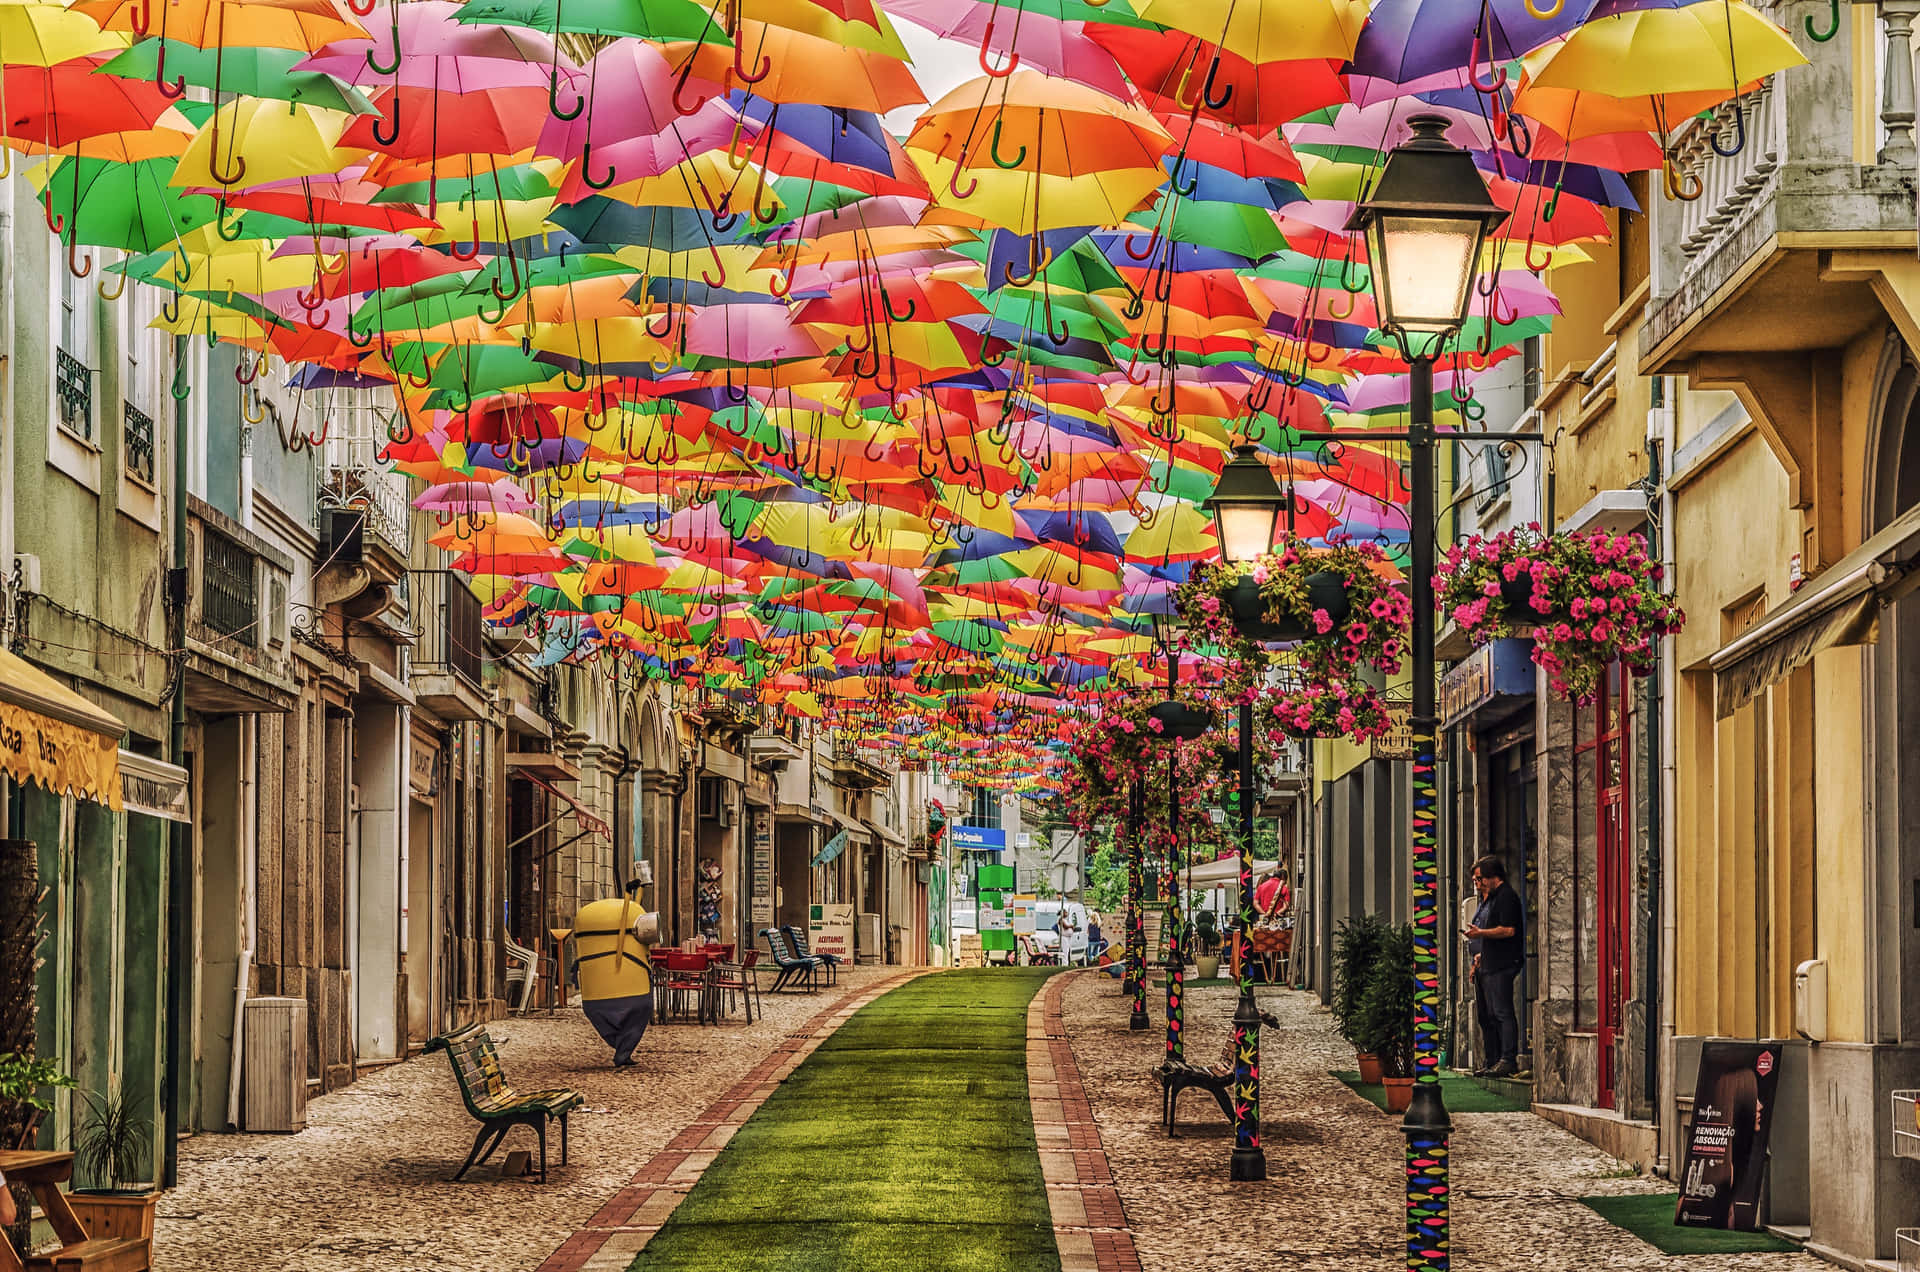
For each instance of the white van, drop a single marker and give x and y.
(1058, 923)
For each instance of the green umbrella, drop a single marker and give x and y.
(646, 19)
(1230, 227)
(124, 205)
(248, 71)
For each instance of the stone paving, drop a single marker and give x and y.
(367, 1186)
(1332, 1200)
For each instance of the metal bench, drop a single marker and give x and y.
(798, 939)
(791, 966)
(1178, 1075)
(496, 1105)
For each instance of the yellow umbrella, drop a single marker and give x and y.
(1700, 47)
(1028, 202)
(44, 33)
(261, 141)
(208, 24)
(1265, 30)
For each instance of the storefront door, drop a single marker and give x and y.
(1613, 870)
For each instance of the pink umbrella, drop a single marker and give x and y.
(639, 102)
(427, 32)
(1059, 49)
(749, 333)
(474, 496)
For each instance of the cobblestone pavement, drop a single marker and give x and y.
(1332, 1200)
(367, 1187)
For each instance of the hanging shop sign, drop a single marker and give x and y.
(980, 838)
(762, 872)
(1726, 1160)
(154, 788)
(1397, 742)
(1498, 670)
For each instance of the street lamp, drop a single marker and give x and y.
(1246, 505)
(1179, 723)
(1426, 220)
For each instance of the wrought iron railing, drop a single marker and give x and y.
(351, 474)
(229, 588)
(136, 439)
(73, 385)
(448, 618)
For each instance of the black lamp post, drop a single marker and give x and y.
(1426, 220)
(1246, 505)
(1179, 723)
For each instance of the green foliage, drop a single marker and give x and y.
(1354, 947)
(1207, 932)
(1105, 888)
(112, 1144)
(1385, 1022)
(23, 1079)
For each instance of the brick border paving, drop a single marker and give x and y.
(621, 1228)
(1089, 1221)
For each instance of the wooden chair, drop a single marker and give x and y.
(43, 1173)
(496, 1105)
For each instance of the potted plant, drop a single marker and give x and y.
(1354, 948)
(1206, 963)
(24, 1084)
(111, 1146)
(1386, 1012)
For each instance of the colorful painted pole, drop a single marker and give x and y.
(1248, 1162)
(1176, 912)
(1426, 1125)
(1136, 920)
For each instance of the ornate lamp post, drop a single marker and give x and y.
(1246, 505)
(1426, 220)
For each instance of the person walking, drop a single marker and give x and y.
(1096, 943)
(1497, 940)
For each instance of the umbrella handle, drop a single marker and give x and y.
(579, 101)
(513, 263)
(220, 224)
(1684, 187)
(1506, 319)
(986, 67)
(714, 251)
(1486, 88)
(1833, 24)
(1136, 306)
(358, 10)
(56, 223)
(1739, 136)
(493, 318)
(953, 182)
(178, 87)
(886, 303)
(373, 54)
(242, 374)
(76, 270)
(686, 75)
(1341, 315)
(1546, 15)
(1188, 190)
(781, 284)
(117, 293)
(353, 338)
(1153, 242)
(662, 332)
(457, 251)
(320, 322)
(180, 389)
(248, 401)
(391, 136)
(760, 72)
(769, 215)
(1540, 267)
(1206, 86)
(994, 150)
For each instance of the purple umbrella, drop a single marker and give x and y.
(1405, 40)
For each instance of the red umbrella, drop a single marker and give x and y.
(419, 123)
(61, 106)
(1171, 72)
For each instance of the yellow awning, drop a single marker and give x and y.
(52, 736)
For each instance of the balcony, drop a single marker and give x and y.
(136, 443)
(447, 667)
(855, 773)
(238, 643)
(1739, 267)
(351, 476)
(73, 388)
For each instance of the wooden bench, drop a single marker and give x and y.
(1215, 1079)
(494, 1104)
(43, 1173)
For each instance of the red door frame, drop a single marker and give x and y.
(1613, 871)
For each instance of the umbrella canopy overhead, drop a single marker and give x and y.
(713, 347)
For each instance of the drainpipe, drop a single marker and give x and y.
(1656, 807)
(1668, 681)
(179, 850)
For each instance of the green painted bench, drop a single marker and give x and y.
(496, 1105)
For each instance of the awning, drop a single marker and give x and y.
(1227, 870)
(53, 737)
(580, 813)
(856, 830)
(884, 835)
(1841, 606)
(154, 788)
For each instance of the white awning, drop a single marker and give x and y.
(1227, 870)
(1840, 606)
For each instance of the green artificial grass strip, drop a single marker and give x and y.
(904, 1142)
(1462, 1095)
(1649, 1216)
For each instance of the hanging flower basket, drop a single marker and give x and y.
(1338, 603)
(1336, 708)
(1179, 721)
(1590, 598)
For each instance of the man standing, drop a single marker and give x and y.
(614, 938)
(1497, 940)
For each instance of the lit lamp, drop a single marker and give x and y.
(1426, 221)
(1246, 505)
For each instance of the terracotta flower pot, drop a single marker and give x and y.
(1399, 1094)
(1369, 1067)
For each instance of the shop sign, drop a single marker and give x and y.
(830, 931)
(1500, 668)
(979, 838)
(762, 871)
(422, 769)
(969, 953)
(1397, 742)
(1726, 1161)
(154, 789)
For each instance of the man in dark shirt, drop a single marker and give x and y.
(1497, 940)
